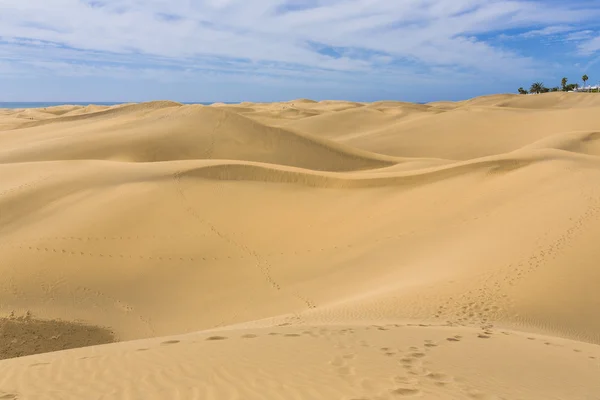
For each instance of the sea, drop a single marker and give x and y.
(73, 103)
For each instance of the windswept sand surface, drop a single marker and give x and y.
(302, 250)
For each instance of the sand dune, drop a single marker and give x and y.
(309, 250)
(168, 132)
(436, 135)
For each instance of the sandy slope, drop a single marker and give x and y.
(328, 250)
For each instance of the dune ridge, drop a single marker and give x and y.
(303, 249)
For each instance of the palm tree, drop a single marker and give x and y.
(584, 79)
(563, 83)
(522, 91)
(537, 87)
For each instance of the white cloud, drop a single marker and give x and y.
(589, 46)
(370, 34)
(547, 31)
(579, 36)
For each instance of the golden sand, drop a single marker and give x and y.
(302, 250)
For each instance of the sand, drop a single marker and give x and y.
(302, 250)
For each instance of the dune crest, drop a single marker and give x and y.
(302, 249)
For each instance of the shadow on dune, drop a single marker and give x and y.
(24, 336)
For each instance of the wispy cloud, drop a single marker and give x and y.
(547, 31)
(285, 38)
(590, 46)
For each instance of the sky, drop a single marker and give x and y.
(274, 50)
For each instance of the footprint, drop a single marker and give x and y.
(483, 336)
(405, 392)
(292, 334)
(39, 364)
(406, 380)
(337, 362)
(168, 342)
(408, 361)
(249, 336)
(346, 370)
(454, 339)
(8, 396)
(430, 345)
(418, 370)
(418, 355)
(216, 338)
(476, 394)
(439, 377)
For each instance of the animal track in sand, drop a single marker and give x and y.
(249, 336)
(69, 252)
(22, 187)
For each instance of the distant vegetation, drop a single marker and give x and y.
(538, 87)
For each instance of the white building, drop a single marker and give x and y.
(586, 88)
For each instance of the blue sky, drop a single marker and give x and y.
(270, 50)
